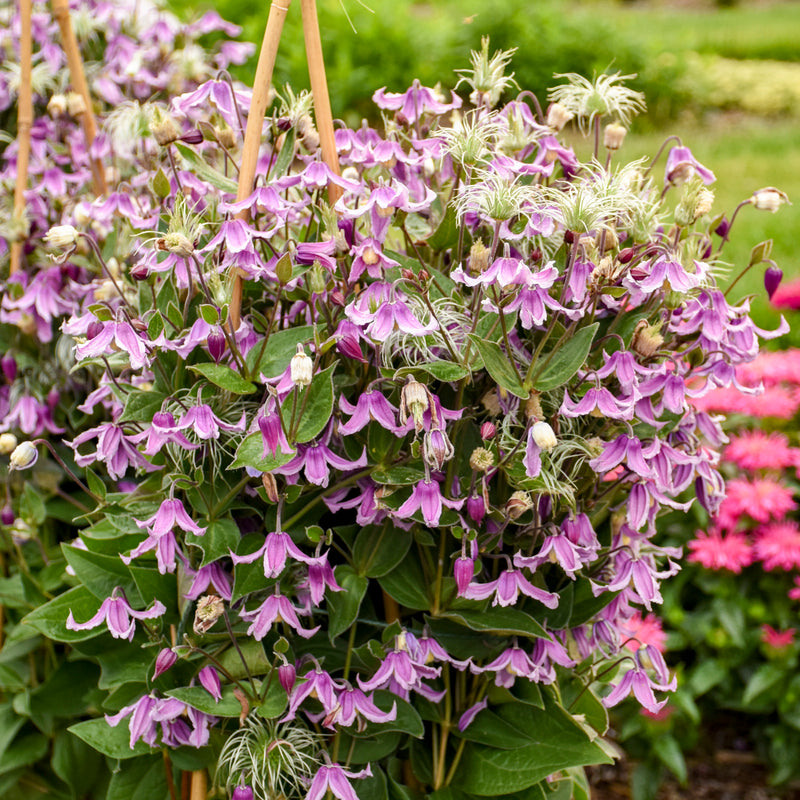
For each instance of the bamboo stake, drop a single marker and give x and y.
(24, 125)
(255, 123)
(198, 790)
(319, 89)
(79, 85)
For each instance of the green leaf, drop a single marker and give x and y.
(406, 583)
(224, 377)
(113, 742)
(100, 574)
(50, 619)
(447, 371)
(669, 754)
(221, 537)
(763, 679)
(161, 185)
(489, 729)
(317, 404)
(250, 454)
(10, 723)
(373, 787)
(398, 476)
(205, 171)
(275, 701)
(197, 697)
(77, 764)
(550, 740)
(24, 751)
(761, 252)
(707, 676)
(499, 621)
(343, 606)
(446, 235)
(498, 366)
(139, 779)
(286, 154)
(377, 550)
(570, 357)
(277, 354)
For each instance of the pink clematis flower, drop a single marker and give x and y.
(333, 778)
(427, 497)
(414, 102)
(116, 612)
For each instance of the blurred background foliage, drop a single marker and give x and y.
(724, 76)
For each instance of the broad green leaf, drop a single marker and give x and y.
(251, 451)
(100, 574)
(140, 779)
(68, 692)
(763, 679)
(257, 662)
(113, 742)
(374, 787)
(707, 676)
(569, 358)
(670, 755)
(498, 366)
(408, 719)
(446, 235)
(275, 701)
(489, 729)
(406, 583)
(152, 585)
(447, 371)
(221, 537)
(343, 606)
(286, 154)
(77, 764)
(550, 740)
(24, 751)
(499, 621)
(365, 751)
(205, 171)
(10, 723)
(315, 405)
(273, 359)
(197, 697)
(379, 549)
(224, 377)
(50, 619)
(398, 476)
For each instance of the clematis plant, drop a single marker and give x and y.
(380, 453)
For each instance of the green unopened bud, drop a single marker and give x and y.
(696, 201)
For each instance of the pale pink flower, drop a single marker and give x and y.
(778, 545)
(643, 631)
(715, 551)
(778, 640)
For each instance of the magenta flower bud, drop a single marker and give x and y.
(337, 298)
(216, 344)
(194, 136)
(53, 396)
(7, 515)
(209, 680)
(723, 227)
(772, 280)
(463, 570)
(242, 792)
(95, 328)
(164, 660)
(488, 431)
(70, 270)
(140, 272)
(287, 675)
(9, 366)
(476, 508)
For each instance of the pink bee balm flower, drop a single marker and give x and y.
(787, 295)
(643, 631)
(777, 640)
(754, 450)
(116, 612)
(778, 545)
(761, 499)
(715, 551)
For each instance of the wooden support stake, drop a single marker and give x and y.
(255, 124)
(319, 88)
(78, 79)
(24, 125)
(198, 786)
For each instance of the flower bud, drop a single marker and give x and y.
(8, 443)
(140, 272)
(163, 127)
(9, 366)
(518, 504)
(614, 135)
(478, 257)
(177, 243)
(772, 280)
(476, 508)
(463, 570)
(76, 105)
(544, 436)
(769, 199)
(242, 792)
(301, 368)
(57, 105)
(215, 341)
(6, 515)
(270, 486)
(481, 459)
(61, 236)
(209, 680)
(488, 431)
(209, 609)
(557, 116)
(24, 456)
(164, 660)
(287, 675)
(436, 448)
(415, 400)
(647, 339)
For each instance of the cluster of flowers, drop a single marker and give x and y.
(754, 523)
(448, 404)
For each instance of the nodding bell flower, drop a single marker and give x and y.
(242, 792)
(772, 280)
(23, 456)
(415, 400)
(614, 136)
(301, 368)
(518, 504)
(61, 236)
(769, 199)
(544, 436)
(164, 660)
(436, 448)
(209, 609)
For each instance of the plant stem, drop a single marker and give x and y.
(319, 89)
(24, 124)
(252, 135)
(78, 80)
